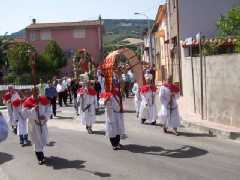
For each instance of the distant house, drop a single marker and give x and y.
(69, 35)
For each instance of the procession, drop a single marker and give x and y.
(120, 90)
(28, 116)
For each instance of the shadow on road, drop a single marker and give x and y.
(51, 143)
(4, 157)
(99, 132)
(188, 134)
(64, 117)
(183, 152)
(58, 163)
(99, 122)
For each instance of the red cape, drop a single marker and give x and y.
(31, 102)
(16, 103)
(7, 96)
(91, 92)
(147, 88)
(172, 87)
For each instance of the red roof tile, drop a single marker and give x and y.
(63, 24)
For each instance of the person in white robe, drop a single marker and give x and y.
(7, 101)
(3, 128)
(114, 124)
(169, 114)
(87, 100)
(148, 109)
(22, 124)
(137, 97)
(37, 110)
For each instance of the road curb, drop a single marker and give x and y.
(219, 133)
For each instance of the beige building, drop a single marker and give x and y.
(159, 33)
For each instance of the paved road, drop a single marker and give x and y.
(148, 154)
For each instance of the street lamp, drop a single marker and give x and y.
(149, 34)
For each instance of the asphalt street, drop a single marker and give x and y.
(148, 153)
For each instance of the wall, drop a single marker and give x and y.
(201, 16)
(221, 79)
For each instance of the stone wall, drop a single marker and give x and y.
(221, 87)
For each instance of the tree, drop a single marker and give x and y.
(4, 43)
(229, 25)
(54, 56)
(19, 65)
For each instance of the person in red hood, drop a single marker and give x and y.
(114, 125)
(169, 93)
(87, 99)
(148, 109)
(22, 129)
(37, 109)
(7, 101)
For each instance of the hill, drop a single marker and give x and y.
(119, 29)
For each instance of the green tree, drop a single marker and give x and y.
(53, 56)
(19, 65)
(4, 44)
(229, 25)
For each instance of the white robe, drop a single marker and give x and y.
(38, 134)
(10, 114)
(3, 129)
(137, 97)
(22, 124)
(169, 116)
(19, 118)
(114, 124)
(148, 108)
(101, 80)
(87, 116)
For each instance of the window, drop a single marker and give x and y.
(79, 33)
(33, 36)
(45, 35)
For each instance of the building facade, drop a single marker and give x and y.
(159, 33)
(69, 35)
(186, 18)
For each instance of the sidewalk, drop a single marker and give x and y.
(194, 121)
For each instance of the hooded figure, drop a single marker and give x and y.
(148, 109)
(37, 110)
(87, 99)
(22, 125)
(169, 93)
(114, 124)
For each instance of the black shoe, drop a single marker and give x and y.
(51, 116)
(143, 121)
(153, 123)
(165, 130)
(15, 130)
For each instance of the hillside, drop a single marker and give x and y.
(119, 29)
(115, 30)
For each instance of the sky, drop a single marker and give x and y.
(17, 14)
